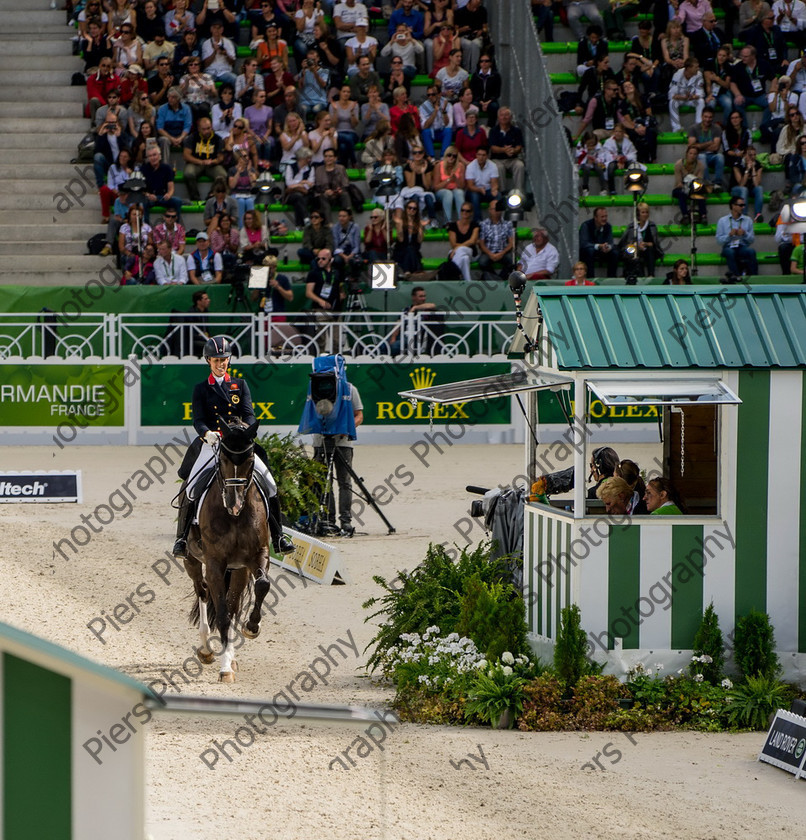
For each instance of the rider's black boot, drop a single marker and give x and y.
(280, 542)
(185, 519)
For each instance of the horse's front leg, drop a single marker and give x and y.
(262, 585)
(218, 595)
(194, 569)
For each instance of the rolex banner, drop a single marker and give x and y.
(279, 392)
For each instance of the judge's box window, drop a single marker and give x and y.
(685, 456)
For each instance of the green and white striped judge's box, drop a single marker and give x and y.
(732, 440)
(72, 739)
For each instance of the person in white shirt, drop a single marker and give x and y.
(687, 88)
(169, 268)
(345, 16)
(360, 44)
(540, 259)
(790, 17)
(619, 152)
(218, 55)
(481, 177)
(406, 48)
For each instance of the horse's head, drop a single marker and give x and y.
(236, 463)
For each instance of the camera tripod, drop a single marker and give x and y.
(330, 452)
(237, 296)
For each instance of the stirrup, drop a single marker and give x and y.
(180, 548)
(283, 545)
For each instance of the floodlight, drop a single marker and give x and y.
(635, 180)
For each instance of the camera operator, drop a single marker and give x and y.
(340, 449)
(273, 300)
(312, 82)
(324, 287)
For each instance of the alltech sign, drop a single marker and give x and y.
(39, 486)
(279, 392)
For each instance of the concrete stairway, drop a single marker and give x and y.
(48, 207)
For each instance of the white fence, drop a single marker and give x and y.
(376, 334)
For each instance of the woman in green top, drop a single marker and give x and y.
(662, 499)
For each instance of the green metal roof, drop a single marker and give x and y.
(678, 327)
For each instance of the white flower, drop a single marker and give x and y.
(658, 666)
(680, 671)
(507, 671)
(706, 659)
(507, 658)
(434, 630)
(726, 683)
(481, 664)
(695, 658)
(698, 678)
(423, 678)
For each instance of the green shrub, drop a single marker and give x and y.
(493, 692)
(571, 647)
(596, 699)
(754, 646)
(543, 709)
(754, 702)
(708, 643)
(299, 478)
(493, 615)
(429, 595)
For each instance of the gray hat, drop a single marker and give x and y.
(201, 235)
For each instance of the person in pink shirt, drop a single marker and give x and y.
(580, 276)
(690, 13)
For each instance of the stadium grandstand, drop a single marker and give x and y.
(222, 144)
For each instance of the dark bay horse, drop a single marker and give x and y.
(229, 548)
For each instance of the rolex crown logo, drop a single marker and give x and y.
(422, 377)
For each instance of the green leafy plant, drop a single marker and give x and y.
(543, 708)
(753, 702)
(754, 646)
(299, 478)
(595, 699)
(571, 647)
(429, 595)
(494, 691)
(708, 643)
(493, 616)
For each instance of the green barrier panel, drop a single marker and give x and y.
(47, 395)
(279, 392)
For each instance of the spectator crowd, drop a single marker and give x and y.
(263, 102)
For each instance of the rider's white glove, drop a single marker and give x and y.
(211, 438)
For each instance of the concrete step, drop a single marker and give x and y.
(43, 217)
(66, 64)
(49, 32)
(36, 263)
(62, 231)
(44, 124)
(65, 247)
(35, 78)
(33, 17)
(54, 173)
(31, 146)
(59, 110)
(50, 93)
(46, 49)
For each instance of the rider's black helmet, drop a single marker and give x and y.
(218, 347)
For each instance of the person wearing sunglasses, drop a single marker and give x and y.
(486, 86)
(735, 234)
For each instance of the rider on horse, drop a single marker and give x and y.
(217, 401)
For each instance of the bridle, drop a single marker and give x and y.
(236, 483)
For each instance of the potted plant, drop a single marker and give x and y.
(496, 694)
